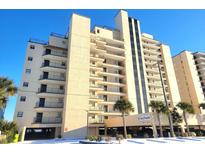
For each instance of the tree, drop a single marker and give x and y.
(7, 89)
(9, 129)
(176, 117)
(158, 107)
(186, 108)
(125, 107)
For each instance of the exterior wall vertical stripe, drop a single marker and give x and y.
(144, 91)
(135, 68)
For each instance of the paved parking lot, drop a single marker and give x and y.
(180, 140)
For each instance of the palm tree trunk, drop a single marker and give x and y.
(160, 126)
(124, 125)
(185, 120)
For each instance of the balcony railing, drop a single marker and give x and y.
(48, 120)
(49, 105)
(56, 53)
(55, 65)
(96, 108)
(51, 90)
(96, 121)
(52, 77)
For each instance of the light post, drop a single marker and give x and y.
(165, 99)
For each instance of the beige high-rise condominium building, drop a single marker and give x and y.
(70, 84)
(189, 70)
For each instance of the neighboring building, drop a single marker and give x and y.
(70, 84)
(189, 68)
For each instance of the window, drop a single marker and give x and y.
(98, 31)
(28, 71)
(61, 87)
(30, 58)
(20, 114)
(25, 84)
(32, 47)
(23, 98)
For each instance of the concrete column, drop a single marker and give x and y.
(23, 133)
(182, 129)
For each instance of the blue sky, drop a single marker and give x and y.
(180, 29)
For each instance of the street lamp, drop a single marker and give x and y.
(165, 99)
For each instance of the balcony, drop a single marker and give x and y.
(96, 110)
(115, 49)
(95, 87)
(55, 55)
(51, 92)
(96, 58)
(47, 120)
(53, 79)
(96, 67)
(95, 98)
(113, 66)
(117, 93)
(111, 83)
(152, 70)
(153, 58)
(111, 74)
(115, 57)
(151, 52)
(149, 45)
(95, 77)
(52, 66)
(49, 105)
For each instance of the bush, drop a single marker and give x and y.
(108, 139)
(3, 141)
(146, 135)
(119, 137)
(185, 135)
(199, 133)
(99, 138)
(129, 136)
(193, 134)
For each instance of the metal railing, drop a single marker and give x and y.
(95, 121)
(96, 108)
(48, 120)
(53, 77)
(51, 90)
(55, 65)
(56, 53)
(49, 105)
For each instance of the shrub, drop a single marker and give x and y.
(119, 137)
(99, 138)
(185, 135)
(108, 139)
(193, 134)
(199, 133)
(146, 135)
(3, 141)
(129, 136)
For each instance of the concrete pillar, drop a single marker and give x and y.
(182, 129)
(23, 133)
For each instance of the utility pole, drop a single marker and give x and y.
(165, 99)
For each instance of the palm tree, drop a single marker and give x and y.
(176, 118)
(158, 107)
(7, 89)
(125, 107)
(186, 108)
